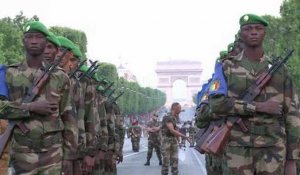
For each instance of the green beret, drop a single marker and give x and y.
(230, 47)
(223, 54)
(36, 26)
(52, 38)
(100, 88)
(83, 68)
(65, 42)
(76, 51)
(252, 19)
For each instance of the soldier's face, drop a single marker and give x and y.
(34, 43)
(65, 60)
(73, 62)
(177, 110)
(253, 35)
(50, 52)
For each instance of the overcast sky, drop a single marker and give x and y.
(142, 32)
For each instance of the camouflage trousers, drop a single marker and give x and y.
(153, 144)
(169, 148)
(77, 167)
(213, 165)
(45, 163)
(4, 163)
(258, 161)
(135, 143)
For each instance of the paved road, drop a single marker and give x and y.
(190, 161)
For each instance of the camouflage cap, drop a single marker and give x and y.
(36, 26)
(52, 38)
(252, 19)
(76, 51)
(65, 42)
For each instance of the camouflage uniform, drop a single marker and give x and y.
(271, 139)
(50, 138)
(135, 132)
(78, 104)
(102, 132)
(153, 141)
(90, 117)
(120, 131)
(113, 145)
(169, 146)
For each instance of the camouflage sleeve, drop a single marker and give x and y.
(221, 105)
(14, 110)
(90, 118)
(292, 118)
(103, 132)
(79, 97)
(202, 116)
(111, 131)
(70, 133)
(120, 130)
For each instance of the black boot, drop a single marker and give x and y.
(160, 162)
(147, 163)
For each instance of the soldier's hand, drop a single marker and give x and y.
(43, 107)
(88, 164)
(269, 107)
(119, 158)
(67, 167)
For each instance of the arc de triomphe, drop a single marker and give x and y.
(170, 71)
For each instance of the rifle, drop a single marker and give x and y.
(108, 87)
(216, 142)
(115, 99)
(30, 96)
(91, 73)
(73, 73)
(84, 74)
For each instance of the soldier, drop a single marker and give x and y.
(169, 145)
(154, 139)
(271, 145)
(68, 63)
(183, 130)
(48, 118)
(135, 132)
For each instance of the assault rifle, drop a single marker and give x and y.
(85, 74)
(72, 74)
(30, 96)
(218, 139)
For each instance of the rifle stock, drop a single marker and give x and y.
(215, 144)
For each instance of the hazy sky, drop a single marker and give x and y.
(142, 32)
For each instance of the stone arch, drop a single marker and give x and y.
(188, 71)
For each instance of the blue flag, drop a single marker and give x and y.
(218, 83)
(3, 85)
